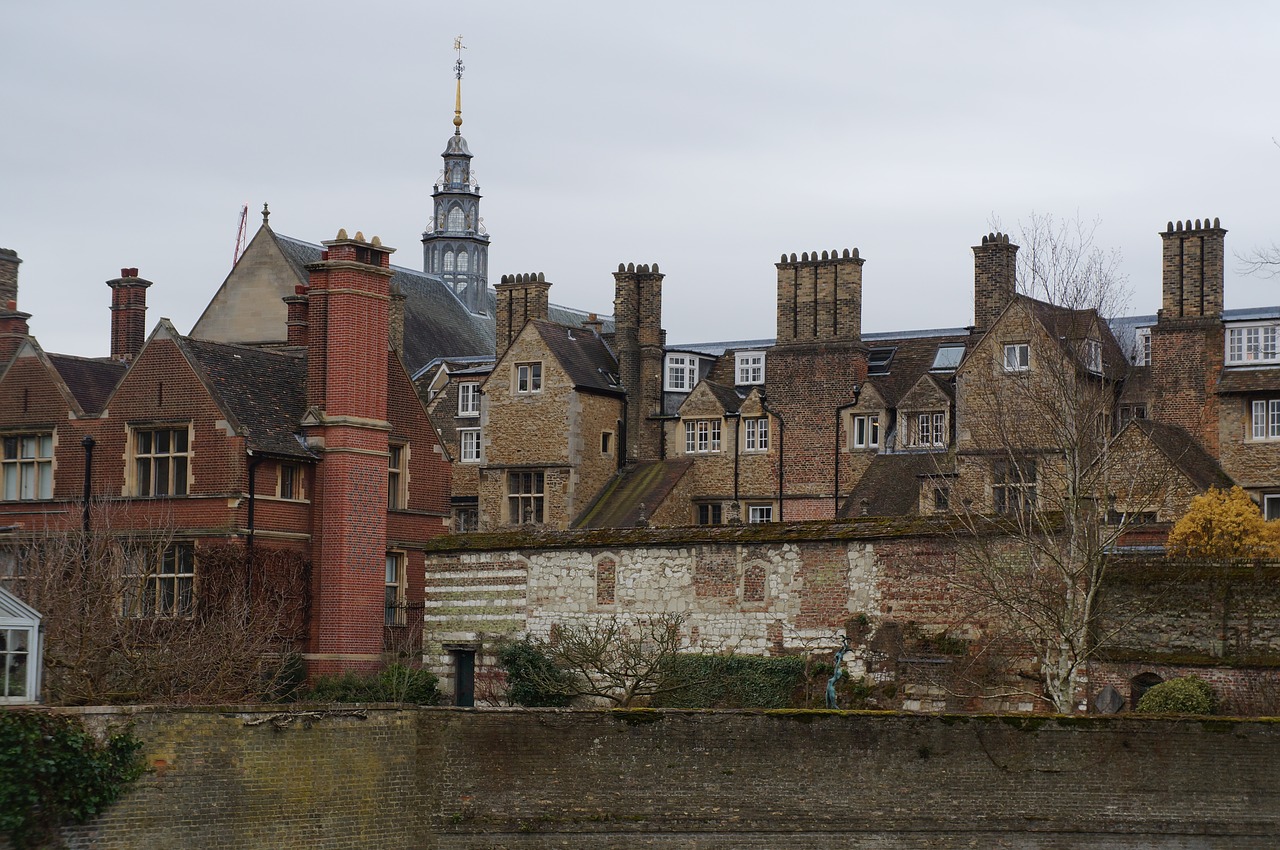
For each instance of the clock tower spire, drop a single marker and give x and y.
(455, 245)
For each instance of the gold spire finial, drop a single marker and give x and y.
(458, 68)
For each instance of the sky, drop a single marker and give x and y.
(707, 137)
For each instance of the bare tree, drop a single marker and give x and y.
(622, 662)
(1037, 518)
(141, 618)
(1264, 261)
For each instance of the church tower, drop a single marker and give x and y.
(455, 245)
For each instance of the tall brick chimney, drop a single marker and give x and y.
(1192, 269)
(1187, 339)
(347, 355)
(296, 321)
(128, 314)
(995, 276)
(520, 297)
(639, 340)
(13, 324)
(820, 298)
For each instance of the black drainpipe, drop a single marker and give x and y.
(835, 489)
(88, 443)
(254, 461)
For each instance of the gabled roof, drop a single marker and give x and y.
(1187, 455)
(90, 380)
(891, 484)
(265, 389)
(583, 356)
(647, 483)
(728, 397)
(1066, 325)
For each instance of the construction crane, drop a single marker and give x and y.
(240, 233)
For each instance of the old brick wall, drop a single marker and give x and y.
(447, 779)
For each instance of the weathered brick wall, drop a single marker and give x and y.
(446, 779)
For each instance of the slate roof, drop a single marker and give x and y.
(89, 380)
(647, 483)
(1184, 453)
(1236, 380)
(1064, 323)
(727, 396)
(583, 355)
(891, 484)
(436, 323)
(911, 360)
(264, 389)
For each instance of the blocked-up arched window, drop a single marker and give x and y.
(456, 219)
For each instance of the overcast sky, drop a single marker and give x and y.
(707, 137)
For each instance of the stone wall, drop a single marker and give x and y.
(448, 779)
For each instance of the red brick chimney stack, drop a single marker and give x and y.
(128, 314)
(297, 316)
(13, 324)
(348, 320)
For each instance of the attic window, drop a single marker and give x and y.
(948, 358)
(878, 360)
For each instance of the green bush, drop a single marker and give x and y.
(1189, 695)
(533, 679)
(731, 681)
(396, 683)
(54, 772)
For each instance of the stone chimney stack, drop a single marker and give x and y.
(296, 323)
(995, 279)
(820, 298)
(13, 324)
(128, 314)
(521, 297)
(396, 327)
(639, 341)
(1192, 269)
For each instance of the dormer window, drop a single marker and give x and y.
(1142, 347)
(682, 372)
(1251, 344)
(750, 367)
(1093, 356)
(930, 429)
(878, 360)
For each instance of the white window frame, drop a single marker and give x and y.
(759, 513)
(701, 436)
(1093, 356)
(469, 398)
(1265, 419)
(1271, 506)
(931, 429)
(682, 373)
(26, 467)
(528, 378)
(161, 471)
(1251, 344)
(757, 434)
(469, 445)
(866, 431)
(749, 367)
(1142, 347)
(1017, 357)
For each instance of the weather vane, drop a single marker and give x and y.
(458, 67)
